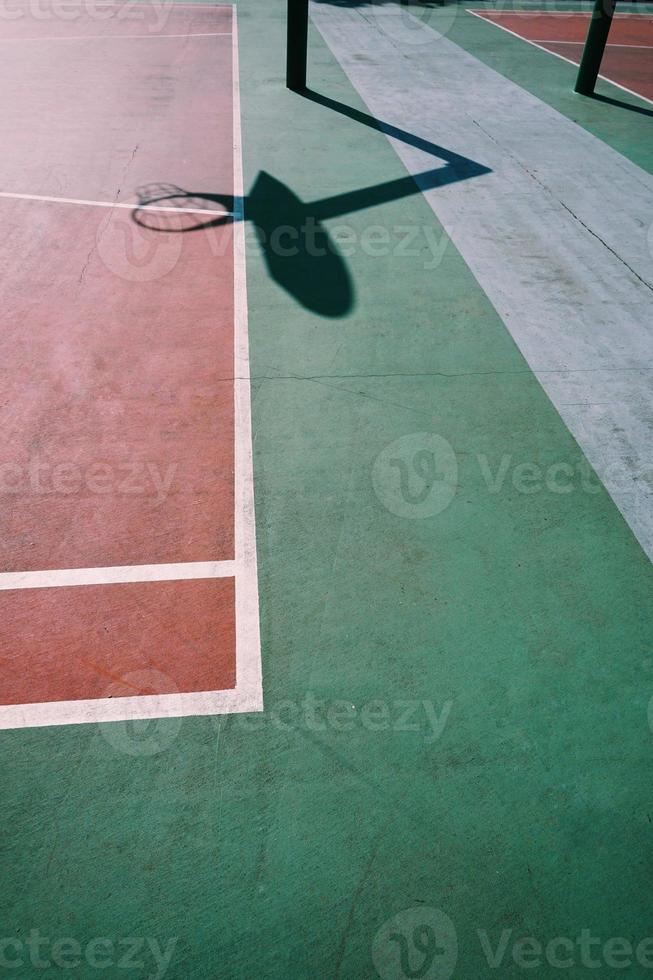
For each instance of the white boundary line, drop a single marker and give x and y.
(610, 44)
(126, 709)
(155, 5)
(113, 575)
(248, 693)
(535, 12)
(108, 37)
(44, 199)
(249, 682)
(481, 16)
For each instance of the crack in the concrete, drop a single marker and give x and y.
(562, 204)
(86, 264)
(323, 379)
(426, 374)
(108, 218)
(430, 374)
(605, 245)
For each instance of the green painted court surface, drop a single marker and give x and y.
(455, 616)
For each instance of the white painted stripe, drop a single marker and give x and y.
(564, 14)
(109, 37)
(556, 54)
(248, 637)
(46, 199)
(113, 575)
(610, 44)
(555, 234)
(156, 5)
(127, 709)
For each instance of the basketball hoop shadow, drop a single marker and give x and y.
(300, 255)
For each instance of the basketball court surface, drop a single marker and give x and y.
(129, 440)
(326, 492)
(627, 60)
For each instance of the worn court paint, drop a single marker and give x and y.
(95, 141)
(560, 250)
(52, 19)
(72, 645)
(277, 846)
(119, 413)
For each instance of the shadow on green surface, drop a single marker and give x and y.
(620, 104)
(300, 254)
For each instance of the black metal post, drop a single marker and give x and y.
(597, 37)
(297, 45)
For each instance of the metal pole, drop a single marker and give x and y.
(297, 45)
(597, 37)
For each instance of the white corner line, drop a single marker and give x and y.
(83, 202)
(117, 574)
(124, 709)
(108, 37)
(488, 20)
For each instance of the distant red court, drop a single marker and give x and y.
(628, 58)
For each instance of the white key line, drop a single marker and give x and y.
(111, 37)
(113, 575)
(110, 204)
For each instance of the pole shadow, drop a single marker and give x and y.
(620, 104)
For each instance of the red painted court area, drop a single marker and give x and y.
(628, 58)
(128, 575)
